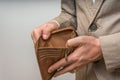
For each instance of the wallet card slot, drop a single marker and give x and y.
(47, 48)
(45, 54)
(45, 57)
(53, 52)
(42, 51)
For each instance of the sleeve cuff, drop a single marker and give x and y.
(111, 51)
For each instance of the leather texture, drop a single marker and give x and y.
(52, 50)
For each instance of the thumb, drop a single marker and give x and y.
(47, 31)
(75, 42)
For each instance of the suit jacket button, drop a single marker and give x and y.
(93, 27)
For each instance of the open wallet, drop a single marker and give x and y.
(53, 49)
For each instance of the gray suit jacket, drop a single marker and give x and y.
(102, 20)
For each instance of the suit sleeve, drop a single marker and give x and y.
(67, 16)
(110, 45)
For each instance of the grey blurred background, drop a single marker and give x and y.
(17, 19)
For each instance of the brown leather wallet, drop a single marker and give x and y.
(53, 49)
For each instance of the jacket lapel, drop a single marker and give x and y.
(93, 8)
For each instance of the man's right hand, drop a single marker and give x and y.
(43, 31)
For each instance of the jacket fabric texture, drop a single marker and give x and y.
(101, 20)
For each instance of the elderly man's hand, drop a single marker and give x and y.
(87, 49)
(43, 31)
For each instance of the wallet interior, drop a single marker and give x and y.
(53, 49)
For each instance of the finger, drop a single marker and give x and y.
(35, 35)
(72, 67)
(65, 70)
(75, 42)
(70, 59)
(60, 64)
(47, 31)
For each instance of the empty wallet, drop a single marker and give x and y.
(53, 49)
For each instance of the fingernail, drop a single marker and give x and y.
(49, 70)
(67, 45)
(45, 36)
